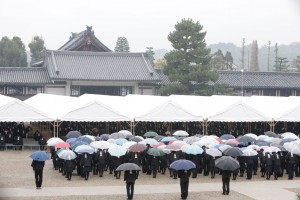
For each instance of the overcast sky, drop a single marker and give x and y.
(148, 23)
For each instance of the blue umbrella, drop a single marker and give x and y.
(71, 140)
(168, 139)
(73, 134)
(84, 139)
(194, 150)
(84, 149)
(78, 143)
(39, 156)
(182, 164)
(104, 136)
(262, 143)
(286, 140)
(120, 141)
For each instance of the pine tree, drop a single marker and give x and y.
(254, 57)
(188, 64)
(228, 61)
(122, 45)
(150, 53)
(37, 48)
(218, 61)
(12, 52)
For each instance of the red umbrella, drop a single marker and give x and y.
(62, 145)
(137, 147)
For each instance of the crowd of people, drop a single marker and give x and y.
(268, 165)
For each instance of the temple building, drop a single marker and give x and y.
(85, 65)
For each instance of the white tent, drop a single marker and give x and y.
(292, 115)
(5, 99)
(239, 112)
(168, 112)
(54, 106)
(18, 111)
(94, 111)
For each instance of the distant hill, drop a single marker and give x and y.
(290, 51)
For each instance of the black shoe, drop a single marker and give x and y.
(223, 193)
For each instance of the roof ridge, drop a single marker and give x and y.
(95, 53)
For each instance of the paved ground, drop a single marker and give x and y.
(259, 190)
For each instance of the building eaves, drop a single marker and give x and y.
(24, 75)
(259, 79)
(101, 66)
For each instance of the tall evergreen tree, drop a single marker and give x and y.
(150, 53)
(281, 64)
(297, 64)
(122, 45)
(254, 57)
(188, 65)
(37, 48)
(12, 52)
(228, 61)
(218, 61)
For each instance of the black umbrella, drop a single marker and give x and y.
(271, 134)
(135, 139)
(245, 139)
(227, 163)
(233, 152)
(128, 167)
(73, 134)
(182, 164)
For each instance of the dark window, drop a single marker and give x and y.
(15, 90)
(75, 90)
(34, 90)
(1, 89)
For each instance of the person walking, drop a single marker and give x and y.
(184, 176)
(226, 174)
(69, 167)
(130, 177)
(86, 163)
(38, 167)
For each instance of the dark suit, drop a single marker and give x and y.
(130, 177)
(38, 167)
(225, 180)
(184, 182)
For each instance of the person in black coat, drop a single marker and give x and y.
(225, 181)
(18, 140)
(269, 164)
(38, 167)
(184, 176)
(42, 143)
(154, 165)
(2, 143)
(249, 166)
(291, 161)
(86, 163)
(277, 164)
(101, 162)
(69, 167)
(130, 177)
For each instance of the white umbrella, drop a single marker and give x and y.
(53, 141)
(249, 152)
(289, 135)
(125, 132)
(214, 152)
(129, 144)
(100, 144)
(181, 133)
(252, 135)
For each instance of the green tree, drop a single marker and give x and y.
(296, 64)
(150, 53)
(160, 63)
(254, 57)
(122, 45)
(12, 52)
(228, 61)
(37, 48)
(281, 64)
(218, 61)
(188, 65)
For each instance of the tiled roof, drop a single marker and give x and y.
(260, 79)
(24, 75)
(78, 38)
(105, 66)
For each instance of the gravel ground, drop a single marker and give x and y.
(15, 171)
